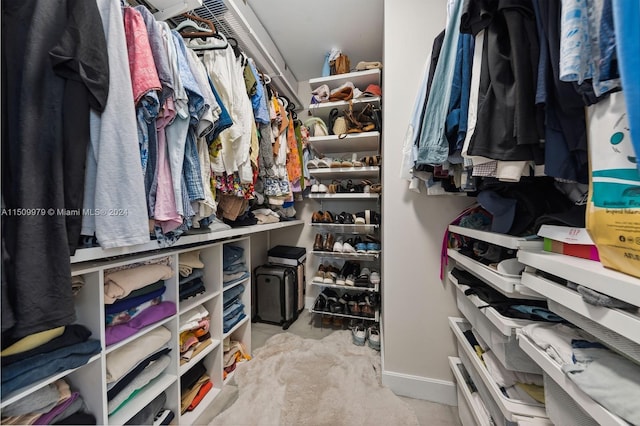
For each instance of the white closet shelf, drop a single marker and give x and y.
(349, 143)
(346, 196)
(340, 228)
(588, 273)
(478, 415)
(28, 390)
(554, 371)
(373, 289)
(323, 109)
(140, 332)
(142, 398)
(503, 240)
(625, 323)
(369, 172)
(469, 306)
(193, 361)
(88, 254)
(242, 322)
(509, 286)
(191, 303)
(230, 376)
(360, 79)
(347, 256)
(507, 407)
(190, 417)
(335, 314)
(243, 281)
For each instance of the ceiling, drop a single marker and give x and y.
(304, 30)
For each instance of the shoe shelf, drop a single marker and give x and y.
(498, 404)
(588, 273)
(469, 409)
(375, 318)
(348, 143)
(323, 109)
(340, 228)
(527, 243)
(373, 289)
(370, 172)
(600, 414)
(509, 286)
(347, 256)
(360, 79)
(624, 323)
(346, 196)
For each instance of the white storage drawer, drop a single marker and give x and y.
(469, 409)
(561, 408)
(497, 331)
(503, 410)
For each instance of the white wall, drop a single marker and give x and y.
(417, 339)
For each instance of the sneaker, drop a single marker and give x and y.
(319, 277)
(373, 337)
(363, 278)
(338, 246)
(358, 335)
(347, 246)
(374, 278)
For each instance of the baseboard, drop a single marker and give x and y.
(434, 390)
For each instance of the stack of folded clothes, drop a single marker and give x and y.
(40, 355)
(133, 300)
(153, 413)
(234, 267)
(50, 405)
(233, 308)
(234, 353)
(194, 333)
(134, 365)
(610, 379)
(191, 273)
(194, 385)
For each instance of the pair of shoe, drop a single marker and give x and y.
(364, 304)
(322, 217)
(326, 274)
(319, 188)
(367, 217)
(367, 278)
(348, 273)
(360, 334)
(368, 245)
(321, 243)
(347, 246)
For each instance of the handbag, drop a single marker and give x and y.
(340, 65)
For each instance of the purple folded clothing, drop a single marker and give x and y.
(46, 418)
(149, 316)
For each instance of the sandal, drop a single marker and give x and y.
(377, 188)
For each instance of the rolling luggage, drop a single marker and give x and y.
(276, 295)
(294, 257)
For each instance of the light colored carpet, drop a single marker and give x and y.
(296, 381)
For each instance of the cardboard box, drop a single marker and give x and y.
(570, 241)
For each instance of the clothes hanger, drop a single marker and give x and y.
(191, 23)
(234, 45)
(210, 43)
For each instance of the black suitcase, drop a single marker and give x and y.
(276, 295)
(294, 257)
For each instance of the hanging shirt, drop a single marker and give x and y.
(212, 109)
(159, 51)
(258, 100)
(54, 64)
(224, 121)
(433, 147)
(294, 168)
(113, 155)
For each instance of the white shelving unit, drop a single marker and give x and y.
(503, 240)
(547, 273)
(360, 79)
(345, 146)
(90, 379)
(368, 172)
(471, 414)
(347, 143)
(509, 286)
(554, 371)
(500, 407)
(346, 196)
